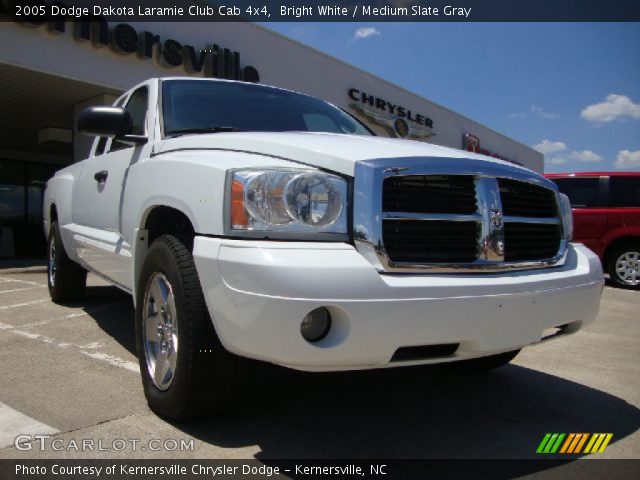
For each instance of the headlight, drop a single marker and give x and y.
(287, 203)
(567, 217)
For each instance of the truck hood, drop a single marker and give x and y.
(329, 151)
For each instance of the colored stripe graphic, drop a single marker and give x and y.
(578, 447)
(556, 445)
(576, 439)
(598, 442)
(567, 443)
(593, 439)
(543, 443)
(574, 442)
(606, 441)
(550, 443)
(596, 445)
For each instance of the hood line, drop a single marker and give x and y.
(262, 154)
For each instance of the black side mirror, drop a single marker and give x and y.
(104, 121)
(108, 122)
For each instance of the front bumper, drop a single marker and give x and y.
(258, 292)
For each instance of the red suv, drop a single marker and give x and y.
(606, 218)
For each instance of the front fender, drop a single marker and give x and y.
(191, 181)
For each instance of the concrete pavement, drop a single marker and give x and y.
(73, 371)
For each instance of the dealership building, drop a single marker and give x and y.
(52, 71)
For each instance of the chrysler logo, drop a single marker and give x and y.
(401, 127)
(496, 218)
(396, 120)
(395, 126)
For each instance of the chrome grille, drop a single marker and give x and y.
(530, 241)
(434, 241)
(526, 200)
(429, 194)
(478, 216)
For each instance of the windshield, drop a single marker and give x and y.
(191, 106)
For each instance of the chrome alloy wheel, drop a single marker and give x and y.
(628, 268)
(52, 261)
(160, 331)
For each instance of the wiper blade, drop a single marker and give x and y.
(189, 131)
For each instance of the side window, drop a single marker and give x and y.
(583, 192)
(102, 142)
(137, 107)
(625, 192)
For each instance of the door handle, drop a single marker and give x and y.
(101, 176)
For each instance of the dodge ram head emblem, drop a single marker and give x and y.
(496, 218)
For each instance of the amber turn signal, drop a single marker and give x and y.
(239, 217)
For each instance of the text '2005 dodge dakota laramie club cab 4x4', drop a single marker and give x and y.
(252, 221)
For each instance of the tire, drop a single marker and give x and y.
(483, 364)
(624, 266)
(65, 278)
(199, 375)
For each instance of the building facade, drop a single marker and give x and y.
(51, 71)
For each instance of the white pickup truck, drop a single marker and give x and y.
(252, 221)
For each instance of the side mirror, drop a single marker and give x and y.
(104, 121)
(108, 122)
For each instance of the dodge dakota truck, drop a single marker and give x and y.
(253, 222)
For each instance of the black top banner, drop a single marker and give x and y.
(322, 10)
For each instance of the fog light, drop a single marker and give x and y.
(316, 325)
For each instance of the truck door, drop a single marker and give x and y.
(624, 204)
(97, 200)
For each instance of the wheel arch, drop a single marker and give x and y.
(162, 219)
(157, 220)
(613, 245)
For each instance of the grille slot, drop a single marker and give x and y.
(430, 241)
(530, 241)
(429, 194)
(526, 200)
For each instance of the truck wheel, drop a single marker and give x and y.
(65, 278)
(184, 367)
(624, 266)
(477, 365)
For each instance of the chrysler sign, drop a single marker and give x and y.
(397, 120)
